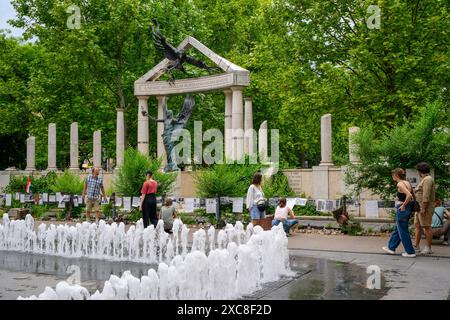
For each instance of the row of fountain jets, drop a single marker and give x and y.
(230, 265)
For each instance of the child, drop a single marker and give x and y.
(168, 213)
(281, 215)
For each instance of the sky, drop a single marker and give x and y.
(7, 12)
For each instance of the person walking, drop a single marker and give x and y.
(148, 200)
(402, 215)
(282, 212)
(425, 195)
(440, 224)
(93, 189)
(255, 196)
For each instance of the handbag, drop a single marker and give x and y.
(262, 204)
(415, 206)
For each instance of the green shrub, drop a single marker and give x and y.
(307, 210)
(68, 183)
(106, 209)
(352, 227)
(277, 186)
(134, 215)
(224, 179)
(39, 212)
(187, 218)
(131, 175)
(38, 184)
(76, 212)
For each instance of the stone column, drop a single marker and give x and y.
(263, 142)
(74, 146)
(31, 154)
(51, 146)
(237, 121)
(120, 137)
(161, 150)
(248, 127)
(97, 148)
(353, 157)
(228, 124)
(325, 140)
(142, 130)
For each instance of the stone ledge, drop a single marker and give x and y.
(360, 219)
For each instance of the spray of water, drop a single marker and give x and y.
(241, 263)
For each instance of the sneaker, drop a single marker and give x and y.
(408, 255)
(427, 250)
(445, 243)
(388, 250)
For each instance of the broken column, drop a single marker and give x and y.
(31, 154)
(325, 140)
(248, 127)
(74, 146)
(97, 149)
(120, 137)
(262, 142)
(51, 160)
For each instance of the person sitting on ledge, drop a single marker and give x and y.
(281, 215)
(167, 214)
(439, 225)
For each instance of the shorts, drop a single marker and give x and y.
(256, 214)
(425, 219)
(90, 202)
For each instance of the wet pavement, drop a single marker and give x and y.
(322, 279)
(24, 274)
(423, 277)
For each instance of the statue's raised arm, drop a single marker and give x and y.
(186, 110)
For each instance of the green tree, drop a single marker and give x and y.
(87, 73)
(17, 61)
(426, 139)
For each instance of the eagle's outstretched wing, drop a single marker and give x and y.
(196, 62)
(200, 64)
(186, 110)
(169, 51)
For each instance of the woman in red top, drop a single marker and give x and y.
(148, 200)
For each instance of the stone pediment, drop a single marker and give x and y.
(149, 85)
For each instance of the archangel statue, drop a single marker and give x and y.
(172, 125)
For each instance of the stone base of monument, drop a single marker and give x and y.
(176, 189)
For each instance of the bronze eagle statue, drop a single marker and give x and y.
(176, 56)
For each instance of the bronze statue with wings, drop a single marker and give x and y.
(176, 56)
(172, 125)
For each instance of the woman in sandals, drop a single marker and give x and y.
(402, 215)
